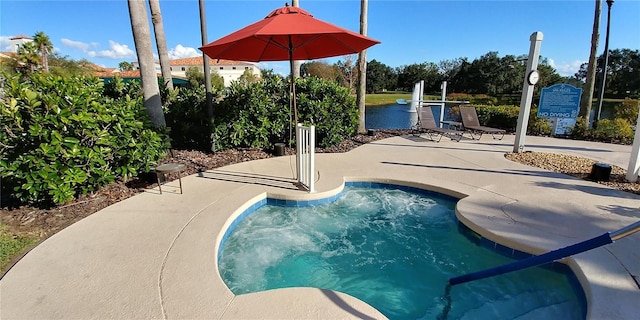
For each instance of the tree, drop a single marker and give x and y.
(161, 43)
(362, 68)
(195, 76)
(380, 77)
(548, 75)
(28, 57)
(623, 78)
(449, 68)
(347, 72)
(587, 93)
(65, 67)
(44, 46)
(411, 74)
(142, 40)
(248, 77)
(125, 66)
(321, 70)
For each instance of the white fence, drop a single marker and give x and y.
(306, 149)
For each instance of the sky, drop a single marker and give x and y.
(410, 31)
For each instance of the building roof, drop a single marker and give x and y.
(197, 61)
(6, 54)
(21, 36)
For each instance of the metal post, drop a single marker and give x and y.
(527, 92)
(606, 60)
(421, 98)
(205, 61)
(312, 159)
(443, 96)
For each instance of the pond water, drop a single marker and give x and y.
(395, 116)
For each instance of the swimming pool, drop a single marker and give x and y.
(392, 247)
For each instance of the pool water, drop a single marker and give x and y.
(393, 248)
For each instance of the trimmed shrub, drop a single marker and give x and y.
(506, 117)
(252, 114)
(187, 120)
(328, 106)
(63, 136)
(257, 114)
(580, 130)
(503, 117)
(627, 110)
(538, 126)
(615, 131)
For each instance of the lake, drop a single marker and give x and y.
(395, 116)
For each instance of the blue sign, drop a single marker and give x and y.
(559, 101)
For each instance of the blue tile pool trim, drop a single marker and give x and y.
(359, 184)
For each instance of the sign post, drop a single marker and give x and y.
(530, 79)
(562, 103)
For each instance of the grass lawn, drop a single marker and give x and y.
(11, 246)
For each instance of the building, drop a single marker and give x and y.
(229, 70)
(17, 41)
(14, 44)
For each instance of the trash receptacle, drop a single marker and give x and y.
(600, 172)
(278, 150)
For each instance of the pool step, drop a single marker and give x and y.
(526, 305)
(553, 311)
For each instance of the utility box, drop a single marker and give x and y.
(278, 149)
(600, 172)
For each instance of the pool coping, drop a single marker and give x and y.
(237, 217)
(152, 256)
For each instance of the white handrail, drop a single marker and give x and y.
(305, 146)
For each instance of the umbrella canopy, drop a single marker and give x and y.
(287, 33)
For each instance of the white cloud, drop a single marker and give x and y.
(75, 44)
(5, 45)
(116, 51)
(567, 69)
(180, 52)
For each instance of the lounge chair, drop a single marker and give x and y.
(471, 124)
(427, 124)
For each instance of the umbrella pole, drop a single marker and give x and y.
(293, 83)
(293, 103)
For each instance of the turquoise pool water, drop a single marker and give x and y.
(394, 248)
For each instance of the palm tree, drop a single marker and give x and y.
(362, 69)
(44, 46)
(142, 39)
(161, 42)
(587, 94)
(28, 56)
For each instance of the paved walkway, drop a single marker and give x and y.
(153, 256)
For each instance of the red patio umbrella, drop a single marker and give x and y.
(287, 33)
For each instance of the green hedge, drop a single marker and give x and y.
(63, 136)
(187, 119)
(506, 117)
(257, 114)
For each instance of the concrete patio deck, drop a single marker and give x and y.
(154, 256)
